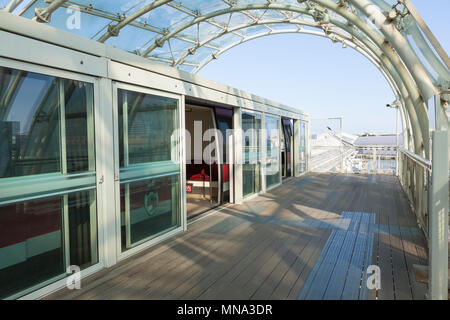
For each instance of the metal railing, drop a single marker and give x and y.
(415, 178)
(370, 159)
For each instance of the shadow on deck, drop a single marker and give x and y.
(311, 238)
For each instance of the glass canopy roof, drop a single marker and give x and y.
(187, 34)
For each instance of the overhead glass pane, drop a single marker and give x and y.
(71, 20)
(251, 31)
(204, 7)
(3, 3)
(272, 15)
(239, 19)
(166, 17)
(114, 6)
(225, 40)
(132, 39)
(200, 55)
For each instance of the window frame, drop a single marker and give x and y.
(154, 170)
(90, 178)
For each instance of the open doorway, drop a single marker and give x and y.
(203, 177)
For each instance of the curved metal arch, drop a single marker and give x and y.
(13, 4)
(341, 38)
(410, 77)
(113, 30)
(421, 143)
(296, 22)
(408, 57)
(359, 48)
(440, 67)
(400, 44)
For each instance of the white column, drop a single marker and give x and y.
(107, 165)
(438, 221)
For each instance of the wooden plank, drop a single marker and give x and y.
(188, 288)
(259, 249)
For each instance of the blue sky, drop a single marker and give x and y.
(319, 77)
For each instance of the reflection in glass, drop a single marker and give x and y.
(33, 247)
(146, 126)
(82, 228)
(148, 208)
(251, 126)
(35, 112)
(302, 147)
(273, 174)
(29, 123)
(79, 126)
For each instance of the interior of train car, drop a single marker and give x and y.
(207, 171)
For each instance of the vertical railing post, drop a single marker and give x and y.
(438, 223)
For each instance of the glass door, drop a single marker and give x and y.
(48, 205)
(149, 160)
(251, 168)
(273, 172)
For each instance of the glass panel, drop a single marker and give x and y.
(251, 125)
(82, 216)
(302, 147)
(224, 119)
(32, 240)
(79, 126)
(147, 136)
(31, 244)
(31, 124)
(273, 174)
(147, 124)
(148, 208)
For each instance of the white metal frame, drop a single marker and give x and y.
(101, 213)
(279, 152)
(146, 243)
(260, 161)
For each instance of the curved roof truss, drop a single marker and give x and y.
(188, 34)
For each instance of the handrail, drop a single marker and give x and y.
(420, 160)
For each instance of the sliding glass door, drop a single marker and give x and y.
(273, 172)
(48, 210)
(148, 139)
(251, 127)
(302, 147)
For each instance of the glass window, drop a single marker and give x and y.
(34, 247)
(150, 123)
(251, 126)
(45, 123)
(46, 127)
(148, 144)
(273, 173)
(302, 147)
(148, 208)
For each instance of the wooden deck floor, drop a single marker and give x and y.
(312, 238)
